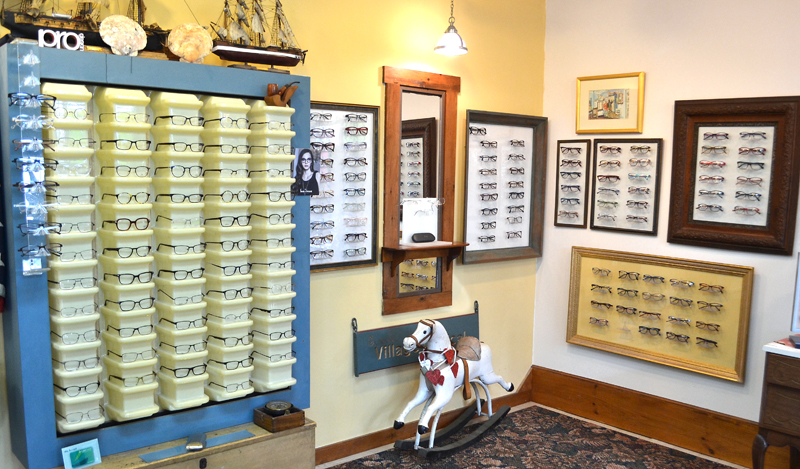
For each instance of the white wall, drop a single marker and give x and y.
(689, 50)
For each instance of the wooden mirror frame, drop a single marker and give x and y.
(396, 80)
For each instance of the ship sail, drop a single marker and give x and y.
(282, 35)
(259, 21)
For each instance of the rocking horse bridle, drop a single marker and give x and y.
(421, 343)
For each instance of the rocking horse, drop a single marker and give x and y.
(443, 370)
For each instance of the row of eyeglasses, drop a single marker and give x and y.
(635, 162)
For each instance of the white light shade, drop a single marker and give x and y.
(451, 43)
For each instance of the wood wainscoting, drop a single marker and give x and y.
(703, 431)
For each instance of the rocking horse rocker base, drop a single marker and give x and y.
(444, 369)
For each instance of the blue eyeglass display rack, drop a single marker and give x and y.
(26, 324)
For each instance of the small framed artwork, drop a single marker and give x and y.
(505, 178)
(625, 184)
(610, 104)
(344, 207)
(735, 174)
(573, 164)
(688, 314)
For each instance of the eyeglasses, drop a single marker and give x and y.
(319, 146)
(182, 349)
(125, 171)
(76, 417)
(513, 220)
(70, 284)
(181, 198)
(352, 237)
(488, 144)
(601, 288)
(183, 325)
(73, 337)
(183, 274)
(626, 310)
(352, 192)
(33, 144)
(477, 130)
(516, 170)
(130, 305)
(639, 177)
(487, 172)
(228, 122)
(678, 337)
(516, 209)
(598, 305)
(571, 150)
(601, 272)
(607, 217)
(709, 207)
(652, 279)
(640, 149)
(178, 170)
(626, 292)
(81, 199)
(570, 174)
(607, 190)
(636, 204)
(131, 331)
(652, 296)
(181, 120)
(598, 322)
(196, 370)
(607, 203)
(227, 221)
(489, 211)
(517, 143)
(753, 134)
(136, 380)
(711, 193)
(229, 196)
(746, 210)
(712, 179)
(127, 197)
(229, 246)
(182, 249)
(273, 125)
(70, 312)
(233, 387)
(276, 218)
(232, 294)
(229, 270)
(355, 252)
(758, 151)
(323, 254)
(75, 142)
(486, 239)
(749, 165)
(352, 177)
(649, 315)
(322, 133)
(181, 147)
(713, 149)
(488, 158)
(485, 197)
(125, 224)
(356, 130)
(322, 208)
(320, 116)
(26, 122)
(31, 100)
(681, 283)
(748, 195)
(127, 279)
(610, 149)
(607, 178)
(715, 136)
(686, 303)
(354, 146)
(641, 162)
(570, 188)
(704, 305)
(570, 201)
(676, 320)
(355, 161)
(130, 357)
(567, 214)
(233, 341)
(227, 148)
(610, 163)
(235, 364)
(355, 117)
(123, 144)
(706, 342)
(279, 289)
(711, 288)
(75, 365)
(277, 335)
(748, 180)
(628, 275)
(573, 163)
(277, 357)
(322, 225)
(232, 317)
(649, 330)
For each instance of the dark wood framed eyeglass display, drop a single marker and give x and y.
(505, 178)
(441, 253)
(735, 174)
(573, 166)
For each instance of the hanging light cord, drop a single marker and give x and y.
(452, 18)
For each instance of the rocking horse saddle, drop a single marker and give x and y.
(469, 348)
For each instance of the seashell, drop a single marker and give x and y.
(191, 42)
(123, 35)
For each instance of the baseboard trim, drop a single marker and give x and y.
(380, 438)
(703, 431)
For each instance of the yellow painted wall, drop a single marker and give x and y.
(348, 42)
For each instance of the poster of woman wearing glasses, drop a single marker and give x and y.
(306, 173)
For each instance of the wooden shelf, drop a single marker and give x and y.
(444, 249)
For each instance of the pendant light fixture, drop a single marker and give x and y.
(451, 43)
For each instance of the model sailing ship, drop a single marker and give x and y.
(26, 18)
(244, 35)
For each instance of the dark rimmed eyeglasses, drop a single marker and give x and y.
(73, 391)
(124, 144)
(610, 149)
(477, 130)
(678, 337)
(598, 321)
(598, 305)
(181, 147)
(228, 122)
(649, 330)
(181, 120)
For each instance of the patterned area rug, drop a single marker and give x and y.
(540, 438)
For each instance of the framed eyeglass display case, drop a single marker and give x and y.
(505, 177)
(573, 159)
(735, 174)
(625, 185)
(344, 219)
(683, 313)
(151, 203)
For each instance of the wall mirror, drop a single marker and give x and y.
(419, 188)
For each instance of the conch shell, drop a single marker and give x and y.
(123, 35)
(191, 42)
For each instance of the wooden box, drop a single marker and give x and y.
(295, 418)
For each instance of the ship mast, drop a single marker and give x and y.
(136, 10)
(282, 35)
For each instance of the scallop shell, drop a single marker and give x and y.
(123, 35)
(191, 42)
